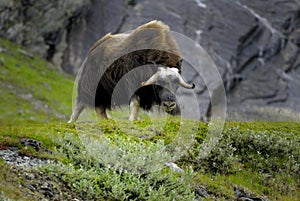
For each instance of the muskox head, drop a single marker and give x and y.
(168, 80)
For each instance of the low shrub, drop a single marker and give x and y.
(94, 175)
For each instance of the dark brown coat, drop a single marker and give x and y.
(113, 56)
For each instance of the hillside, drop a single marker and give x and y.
(30, 87)
(44, 158)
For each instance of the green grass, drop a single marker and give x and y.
(123, 160)
(268, 126)
(80, 162)
(30, 87)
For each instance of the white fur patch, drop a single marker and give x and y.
(166, 71)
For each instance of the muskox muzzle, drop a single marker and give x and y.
(169, 106)
(168, 101)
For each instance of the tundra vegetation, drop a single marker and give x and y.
(258, 159)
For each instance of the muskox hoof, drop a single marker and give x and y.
(133, 118)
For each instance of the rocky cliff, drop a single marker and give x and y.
(255, 44)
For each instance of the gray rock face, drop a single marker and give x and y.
(255, 44)
(42, 26)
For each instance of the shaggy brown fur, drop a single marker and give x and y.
(113, 56)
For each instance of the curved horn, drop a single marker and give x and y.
(184, 83)
(151, 80)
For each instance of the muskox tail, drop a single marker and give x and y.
(87, 83)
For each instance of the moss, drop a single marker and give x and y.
(28, 151)
(12, 133)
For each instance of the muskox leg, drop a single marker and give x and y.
(134, 107)
(101, 112)
(76, 111)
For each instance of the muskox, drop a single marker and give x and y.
(150, 48)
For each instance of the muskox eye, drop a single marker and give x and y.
(162, 82)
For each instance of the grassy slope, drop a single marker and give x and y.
(30, 87)
(262, 157)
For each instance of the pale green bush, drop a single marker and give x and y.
(107, 179)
